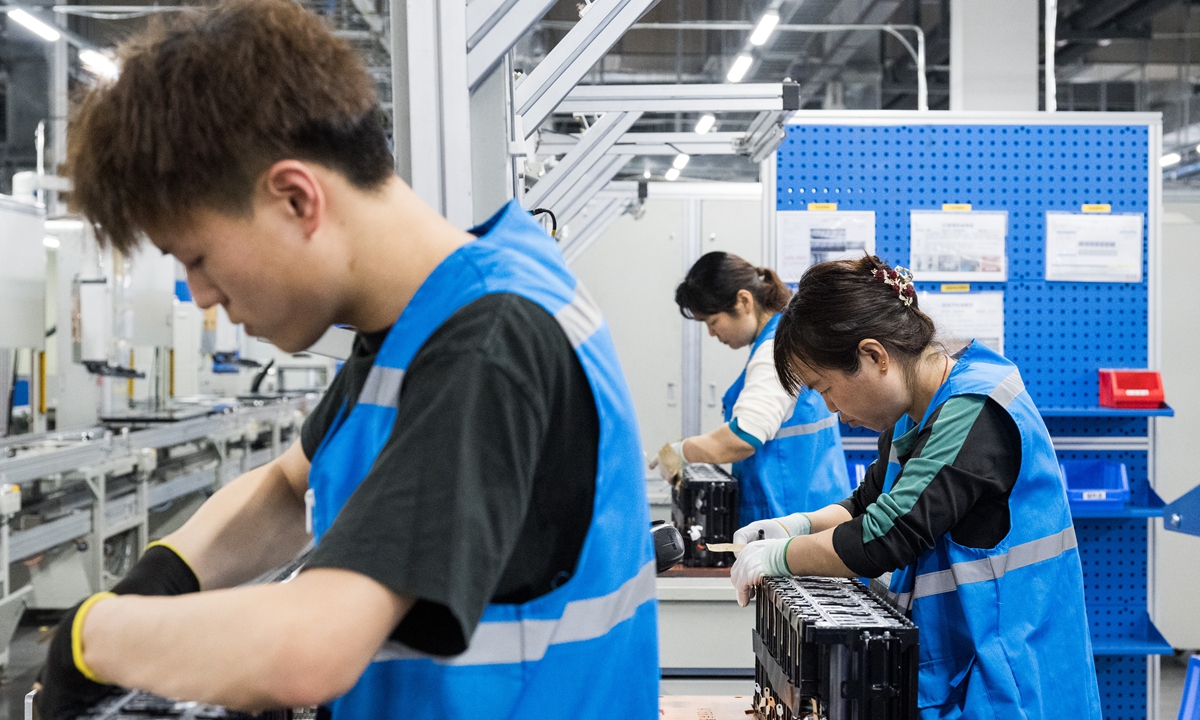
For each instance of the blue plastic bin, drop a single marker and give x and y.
(1096, 484)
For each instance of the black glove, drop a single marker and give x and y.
(65, 691)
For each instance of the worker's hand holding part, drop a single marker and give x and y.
(764, 558)
(67, 686)
(774, 528)
(670, 462)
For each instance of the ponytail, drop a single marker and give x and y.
(713, 283)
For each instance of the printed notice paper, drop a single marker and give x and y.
(1094, 247)
(804, 237)
(962, 317)
(958, 246)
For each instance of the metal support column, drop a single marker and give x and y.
(691, 330)
(432, 104)
(491, 137)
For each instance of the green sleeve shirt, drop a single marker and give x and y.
(957, 474)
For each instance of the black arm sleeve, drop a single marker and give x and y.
(443, 508)
(872, 484)
(956, 479)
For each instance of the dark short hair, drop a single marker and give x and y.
(207, 101)
(838, 305)
(712, 286)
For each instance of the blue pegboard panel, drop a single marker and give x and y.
(1026, 170)
(1058, 333)
(1122, 682)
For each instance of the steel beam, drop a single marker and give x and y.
(577, 165)
(731, 97)
(592, 37)
(602, 212)
(576, 199)
(649, 143)
(493, 27)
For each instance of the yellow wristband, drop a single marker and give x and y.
(172, 548)
(77, 635)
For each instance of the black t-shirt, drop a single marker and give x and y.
(483, 492)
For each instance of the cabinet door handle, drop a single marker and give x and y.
(712, 395)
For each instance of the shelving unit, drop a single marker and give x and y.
(1058, 333)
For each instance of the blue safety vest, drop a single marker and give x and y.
(1004, 631)
(802, 468)
(587, 649)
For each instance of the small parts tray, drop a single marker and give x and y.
(1096, 484)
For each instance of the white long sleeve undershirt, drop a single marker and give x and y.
(764, 405)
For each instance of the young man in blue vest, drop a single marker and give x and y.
(473, 476)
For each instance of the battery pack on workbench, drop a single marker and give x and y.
(1131, 389)
(830, 649)
(704, 506)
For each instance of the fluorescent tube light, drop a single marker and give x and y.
(765, 27)
(1171, 159)
(50, 242)
(681, 161)
(672, 175)
(37, 27)
(705, 123)
(740, 66)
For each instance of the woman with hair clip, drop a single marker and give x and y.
(786, 451)
(963, 517)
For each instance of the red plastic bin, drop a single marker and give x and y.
(1137, 389)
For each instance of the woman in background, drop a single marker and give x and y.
(786, 450)
(963, 517)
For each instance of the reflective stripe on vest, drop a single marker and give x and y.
(995, 566)
(580, 318)
(382, 387)
(807, 428)
(1008, 389)
(498, 643)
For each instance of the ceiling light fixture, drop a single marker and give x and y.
(37, 27)
(50, 242)
(1171, 159)
(764, 29)
(740, 66)
(705, 123)
(672, 175)
(681, 161)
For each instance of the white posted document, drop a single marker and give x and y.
(958, 246)
(962, 317)
(807, 237)
(1094, 247)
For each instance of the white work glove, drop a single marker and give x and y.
(764, 558)
(670, 461)
(784, 527)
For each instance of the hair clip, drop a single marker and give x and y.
(901, 279)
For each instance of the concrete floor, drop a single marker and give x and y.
(27, 656)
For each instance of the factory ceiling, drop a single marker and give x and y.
(1119, 55)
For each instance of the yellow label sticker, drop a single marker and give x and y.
(822, 206)
(1097, 208)
(956, 207)
(956, 287)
